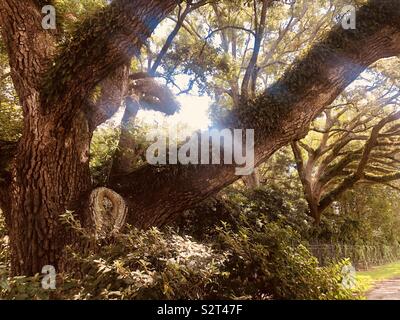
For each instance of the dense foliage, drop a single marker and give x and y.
(245, 242)
(260, 260)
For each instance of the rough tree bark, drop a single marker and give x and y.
(156, 195)
(50, 170)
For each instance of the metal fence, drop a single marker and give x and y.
(361, 256)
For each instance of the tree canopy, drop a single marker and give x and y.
(287, 69)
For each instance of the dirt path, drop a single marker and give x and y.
(385, 290)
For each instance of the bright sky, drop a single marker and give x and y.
(193, 113)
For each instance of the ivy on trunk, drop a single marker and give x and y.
(50, 166)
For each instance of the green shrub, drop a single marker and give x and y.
(136, 265)
(258, 260)
(267, 260)
(201, 222)
(149, 265)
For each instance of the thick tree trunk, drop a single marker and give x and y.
(50, 173)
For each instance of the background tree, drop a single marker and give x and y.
(354, 141)
(223, 56)
(56, 73)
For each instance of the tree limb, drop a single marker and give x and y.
(359, 172)
(259, 35)
(96, 49)
(190, 7)
(157, 193)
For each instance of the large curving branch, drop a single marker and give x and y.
(359, 173)
(280, 115)
(98, 48)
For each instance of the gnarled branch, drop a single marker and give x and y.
(279, 116)
(96, 49)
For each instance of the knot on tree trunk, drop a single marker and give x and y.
(108, 210)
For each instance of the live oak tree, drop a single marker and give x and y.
(234, 55)
(55, 75)
(51, 172)
(356, 141)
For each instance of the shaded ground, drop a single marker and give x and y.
(385, 290)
